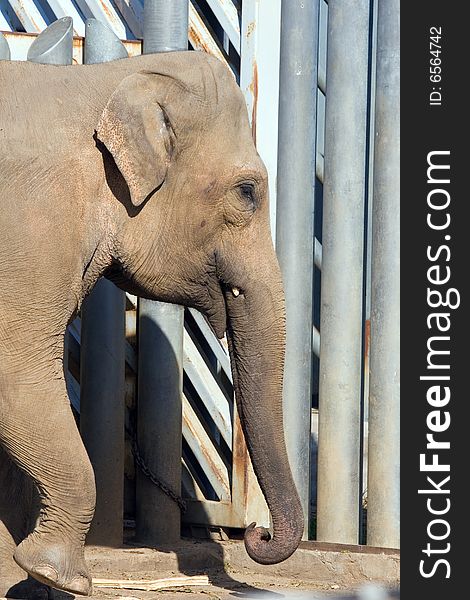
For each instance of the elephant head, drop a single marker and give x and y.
(194, 230)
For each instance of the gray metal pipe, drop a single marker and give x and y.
(159, 424)
(4, 48)
(160, 334)
(101, 43)
(341, 324)
(383, 512)
(102, 368)
(295, 224)
(165, 25)
(102, 372)
(54, 45)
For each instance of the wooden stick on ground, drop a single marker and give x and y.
(151, 585)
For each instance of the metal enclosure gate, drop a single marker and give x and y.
(358, 259)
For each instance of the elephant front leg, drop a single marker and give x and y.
(19, 509)
(38, 432)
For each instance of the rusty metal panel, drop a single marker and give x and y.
(209, 512)
(29, 15)
(207, 388)
(202, 447)
(200, 37)
(189, 484)
(259, 80)
(226, 13)
(247, 499)
(132, 12)
(216, 345)
(66, 8)
(104, 11)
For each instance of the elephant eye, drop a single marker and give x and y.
(248, 193)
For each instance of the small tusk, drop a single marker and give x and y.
(235, 291)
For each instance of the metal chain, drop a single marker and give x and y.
(151, 476)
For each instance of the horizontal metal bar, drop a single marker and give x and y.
(205, 452)
(104, 11)
(29, 15)
(133, 14)
(210, 512)
(227, 15)
(189, 484)
(200, 37)
(207, 388)
(214, 343)
(66, 8)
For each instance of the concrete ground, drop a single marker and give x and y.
(314, 571)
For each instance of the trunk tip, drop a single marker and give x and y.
(266, 549)
(263, 533)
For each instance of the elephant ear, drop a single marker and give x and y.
(136, 130)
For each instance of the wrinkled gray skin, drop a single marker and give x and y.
(143, 171)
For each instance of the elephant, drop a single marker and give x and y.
(142, 171)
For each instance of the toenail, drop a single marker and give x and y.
(47, 572)
(80, 585)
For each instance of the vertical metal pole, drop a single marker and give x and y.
(259, 82)
(102, 364)
(342, 272)
(160, 334)
(367, 267)
(295, 224)
(165, 25)
(102, 367)
(4, 48)
(101, 44)
(383, 514)
(54, 45)
(159, 423)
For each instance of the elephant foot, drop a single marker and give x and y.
(26, 589)
(59, 565)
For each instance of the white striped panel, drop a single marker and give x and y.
(29, 15)
(104, 11)
(65, 8)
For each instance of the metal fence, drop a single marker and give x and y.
(326, 125)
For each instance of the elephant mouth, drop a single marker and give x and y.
(217, 314)
(222, 291)
(212, 302)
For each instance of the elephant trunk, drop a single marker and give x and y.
(256, 335)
